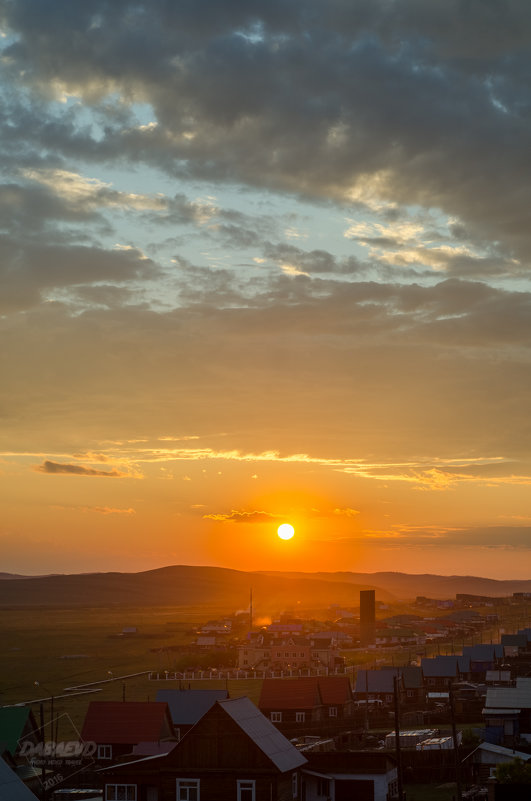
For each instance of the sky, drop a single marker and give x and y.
(265, 262)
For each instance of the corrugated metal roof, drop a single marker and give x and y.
(269, 739)
(126, 722)
(445, 666)
(502, 751)
(189, 706)
(375, 681)
(11, 787)
(509, 697)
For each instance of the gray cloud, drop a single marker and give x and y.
(55, 468)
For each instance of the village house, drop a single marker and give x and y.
(306, 700)
(118, 726)
(233, 752)
(507, 714)
(342, 776)
(440, 672)
(262, 651)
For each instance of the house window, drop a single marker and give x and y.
(332, 711)
(245, 661)
(279, 654)
(246, 790)
(323, 787)
(120, 792)
(410, 693)
(388, 698)
(301, 654)
(300, 717)
(276, 717)
(294, 785)
(431, 682)
(286, 654)
(187, 789)
(104, 751)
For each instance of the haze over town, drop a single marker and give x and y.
(265, 263)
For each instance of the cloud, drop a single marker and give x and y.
(241, 517)
(55, 468)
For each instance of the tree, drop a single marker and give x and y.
(515, 772)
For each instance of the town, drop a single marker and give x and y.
(434, 703)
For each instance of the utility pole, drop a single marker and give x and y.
(456, 746)
(397, 740)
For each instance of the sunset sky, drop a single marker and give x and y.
(266, 262)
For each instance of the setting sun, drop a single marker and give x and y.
(285, 531)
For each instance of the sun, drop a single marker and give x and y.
(285, 531)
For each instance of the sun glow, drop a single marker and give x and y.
(285, 531)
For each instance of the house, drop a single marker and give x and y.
(483, 657)
(263, 651)
(306, 700)
(375, 685)
(17, 723)
(441, 671)
(233, 752)
(411, 685)
(291, 700)
(117, 726)
(487, 756)
(187, 707)
(507, 713)
(364, 776)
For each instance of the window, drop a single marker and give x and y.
(276, 717)
(388, 698)
(300, 717)
(294, 785)
(245, 661)
(323, 787)
(410, 694)
(187, 789)
(332, 712)
(120, 792)
(104, 751)
(245, 790)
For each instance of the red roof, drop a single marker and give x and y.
(304, 693)
(289, 694)
(126, 722)
(335, 689)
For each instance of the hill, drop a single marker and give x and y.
(182, 585)
(409, 585)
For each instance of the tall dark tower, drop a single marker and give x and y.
(367, 617)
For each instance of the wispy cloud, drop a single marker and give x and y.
(55, 468)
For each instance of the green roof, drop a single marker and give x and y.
(12, 722)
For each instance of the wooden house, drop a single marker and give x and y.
(233, 752)
(117, 726)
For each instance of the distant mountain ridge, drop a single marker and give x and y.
(184, 585)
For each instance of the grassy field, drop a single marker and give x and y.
(63, 648)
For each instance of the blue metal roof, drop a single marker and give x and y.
(189, 706)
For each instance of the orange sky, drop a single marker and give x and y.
(253, 272)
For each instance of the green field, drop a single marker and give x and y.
(63, 648)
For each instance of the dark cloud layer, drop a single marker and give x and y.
(420, 103)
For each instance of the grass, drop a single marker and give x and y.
(62, 648)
